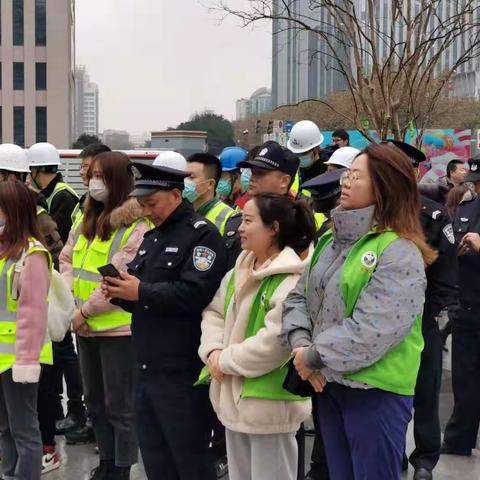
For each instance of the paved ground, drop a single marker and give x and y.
(79, 460)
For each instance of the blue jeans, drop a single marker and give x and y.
(363, 431)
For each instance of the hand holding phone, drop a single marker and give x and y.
(109, 270)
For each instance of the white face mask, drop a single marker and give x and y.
(98, 190)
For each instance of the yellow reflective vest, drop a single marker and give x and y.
(8, 312)
(86, 258)
(59, 187)
(219, 215)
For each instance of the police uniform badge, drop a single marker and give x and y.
(369, 260)
(203, 258)
(448, 232)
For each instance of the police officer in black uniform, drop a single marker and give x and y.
(173, 277)
(442, 291)
(462, 428)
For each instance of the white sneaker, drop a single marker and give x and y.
(50, 460)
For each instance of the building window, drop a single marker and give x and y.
(18, 76)
(41, 124)
(19, 126)
(40, 23)
(41, 76)
(17, 20)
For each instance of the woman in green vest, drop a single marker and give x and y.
(240, 344)
(110, 231)
(354, 318)
(25, 266)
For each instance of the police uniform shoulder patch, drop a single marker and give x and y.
(199, 224)
(369, 260)
(448, 232)
(203, 258)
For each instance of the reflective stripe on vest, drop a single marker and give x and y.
(270, 385)
(87, 257)
(219, 215)
(60, 187)
(397, 370)
(40, 210)
(8, 313)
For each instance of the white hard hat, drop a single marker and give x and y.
(304, 136)
(171, 159)
(43, 155)
(13, 158)
(343, 157)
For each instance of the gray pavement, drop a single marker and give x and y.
(78, 461)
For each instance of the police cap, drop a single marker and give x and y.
(273, 157)
(415, 155)
(150, 179)
(473, 174)
(326, 185)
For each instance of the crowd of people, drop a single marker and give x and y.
(223, 301)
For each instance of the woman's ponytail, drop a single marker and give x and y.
(296, 224)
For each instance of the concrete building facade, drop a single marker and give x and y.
(86, 103)
(37, 57)
(303, 69)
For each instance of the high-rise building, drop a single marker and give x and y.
(86, 103)
(36, 82)
(259, 102)
(302, 67)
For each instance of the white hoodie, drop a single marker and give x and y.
(253, 357)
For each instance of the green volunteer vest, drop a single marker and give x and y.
(59, 187)
(87, 257)
(8, 312)
(270, 385)
(397, 371)
(219, 215)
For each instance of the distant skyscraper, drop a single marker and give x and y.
(36, 82)
(86, 103)
(259, 102)
(302, 67)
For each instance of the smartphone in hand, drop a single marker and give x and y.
(109, 270)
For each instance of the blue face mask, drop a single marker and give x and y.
(306, 160)
(190, 190)
(224, 188)
(245, 179)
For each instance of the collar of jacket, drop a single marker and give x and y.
(184, 209)
(48, 190)
(351, 225)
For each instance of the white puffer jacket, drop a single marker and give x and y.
(253, 357)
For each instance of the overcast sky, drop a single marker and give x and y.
(158, 61)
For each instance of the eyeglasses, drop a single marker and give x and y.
(349, 177)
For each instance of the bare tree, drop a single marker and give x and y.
(395, 75)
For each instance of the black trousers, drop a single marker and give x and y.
(426, 420)
(462, 428)
(318, 465)
(66, 364)
(174, 423)
(107, 370)
(47, 406)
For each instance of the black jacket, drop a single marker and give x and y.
(180, 265)
(467, 219)
(61, 208)
(442, 275)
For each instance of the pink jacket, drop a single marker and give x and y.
(32, 316)
(124, 215)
